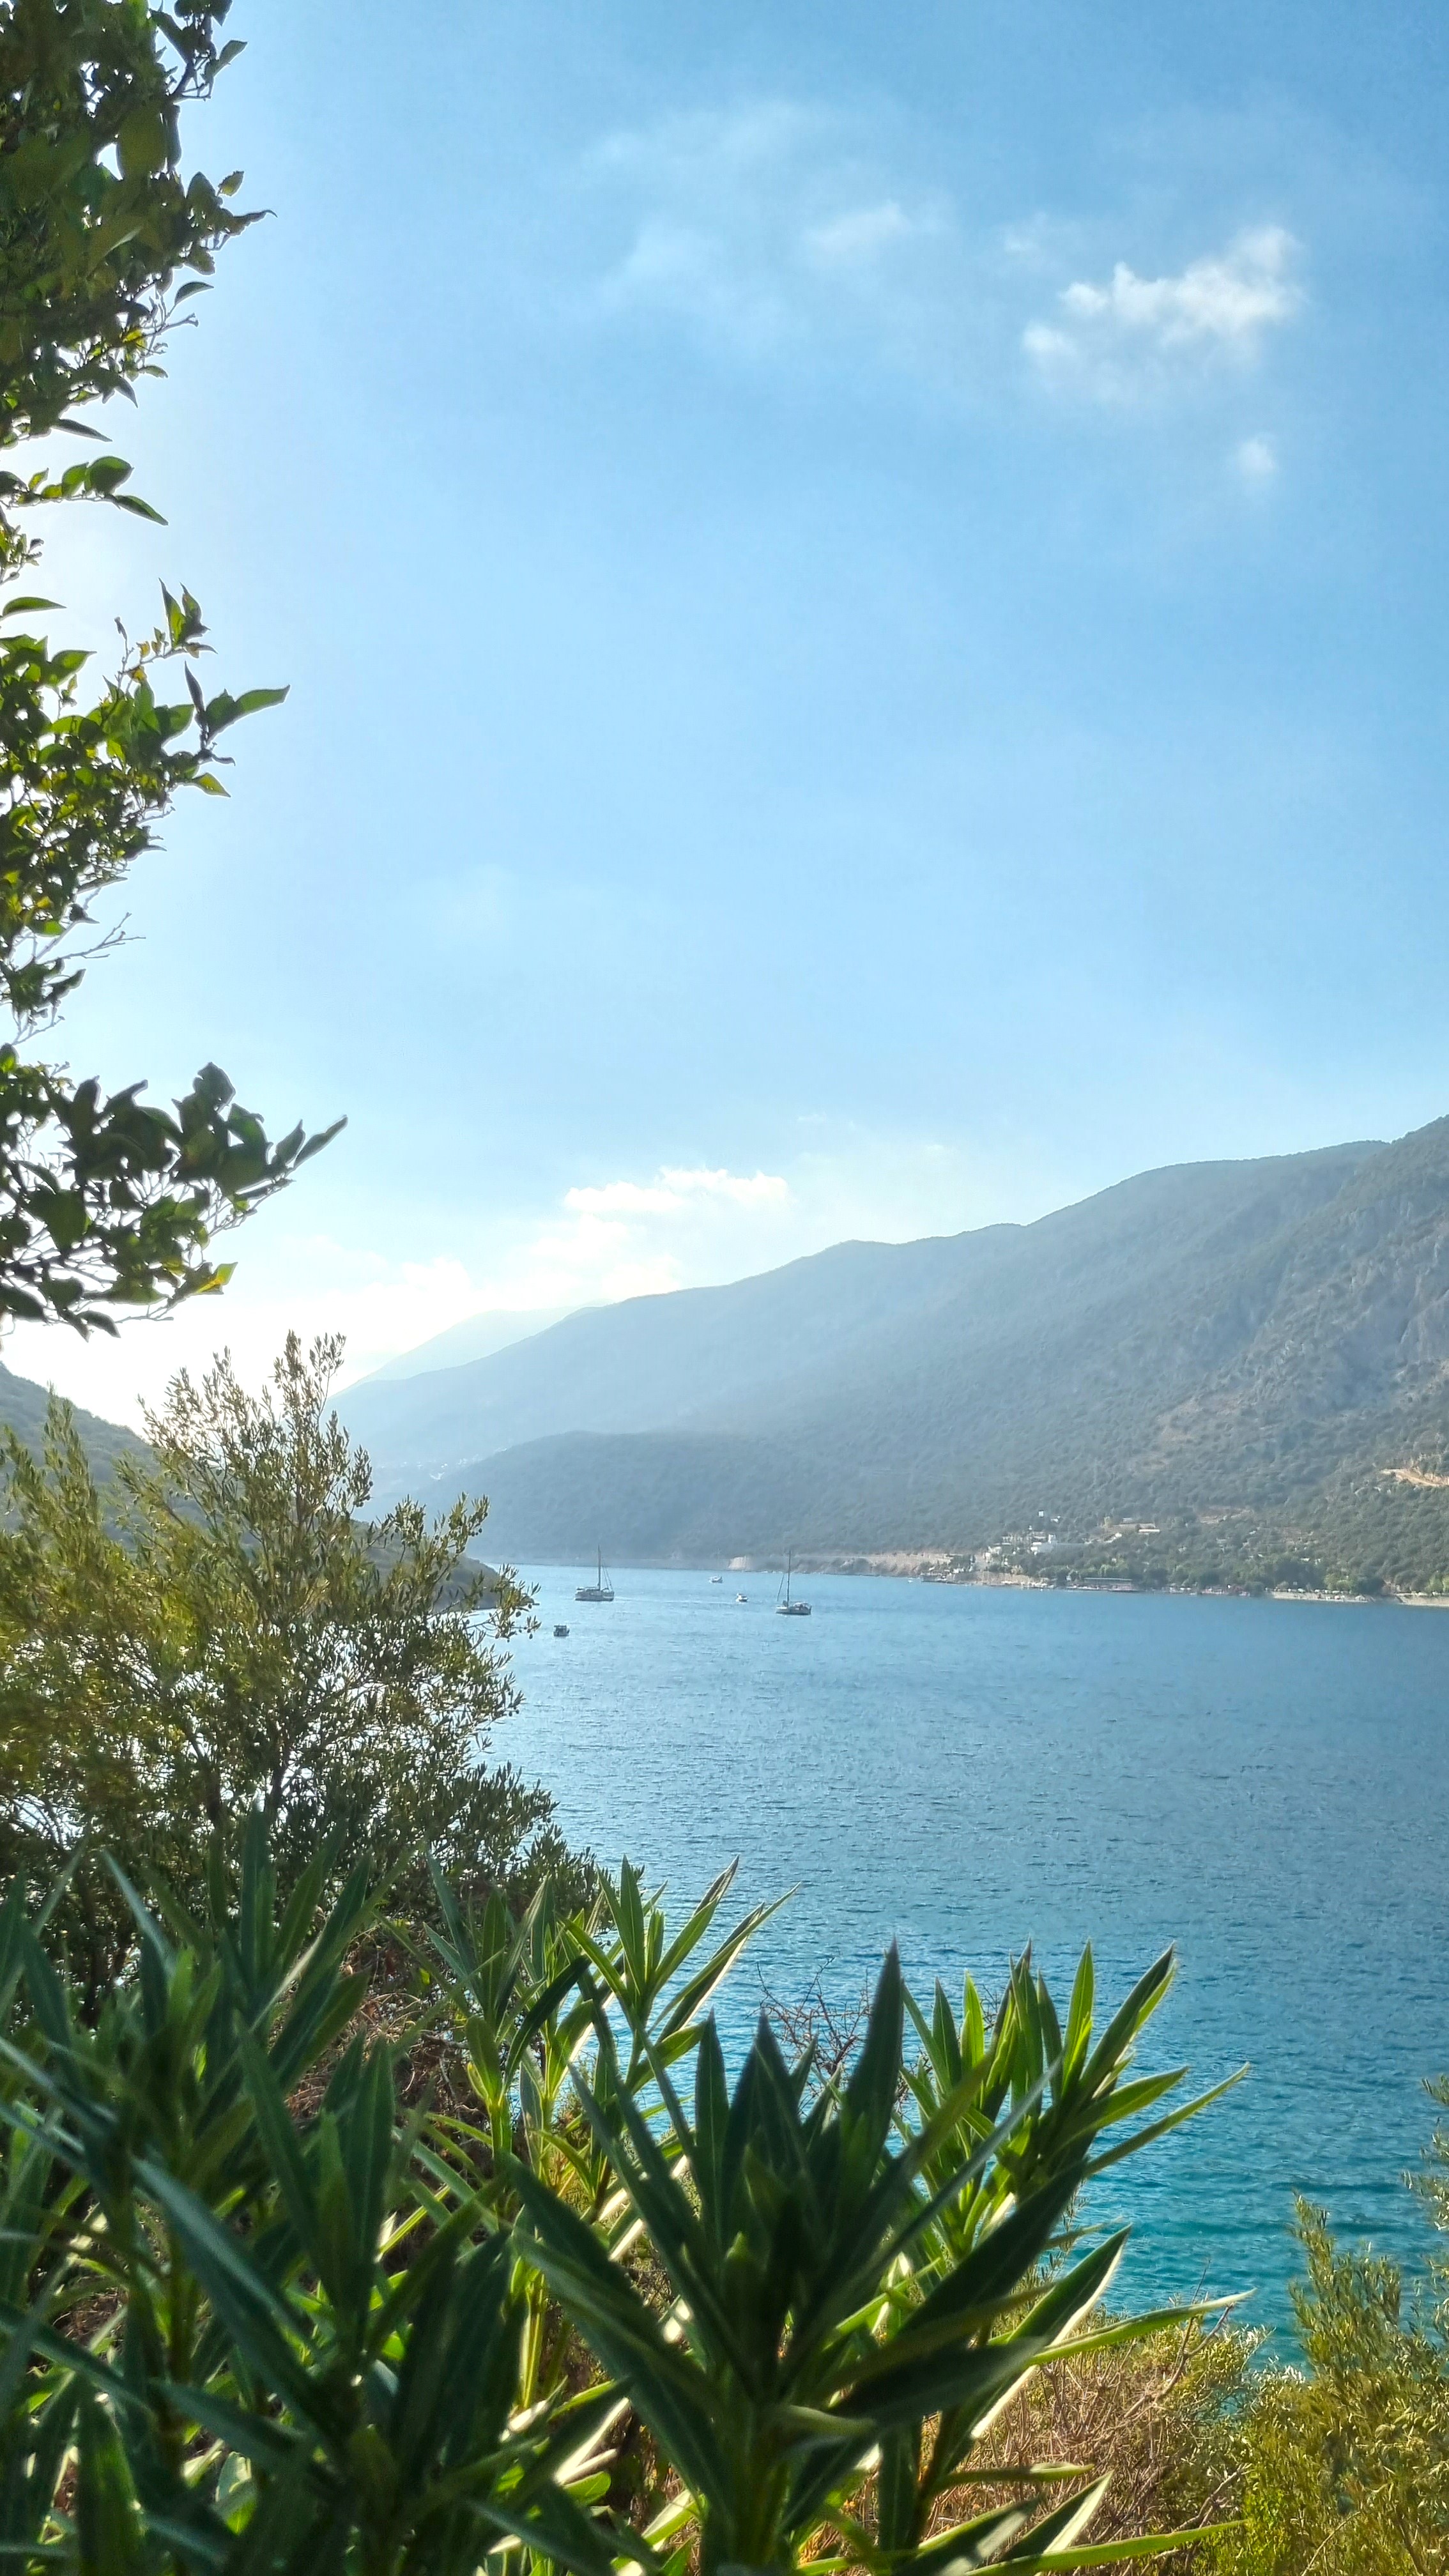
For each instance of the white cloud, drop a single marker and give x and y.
(1228, 300)
(1117, 340)
(766, 227)
(1255, 459)
(674, 1189)
(863, 233)
(786, 234)
(608, 1240)
(642, 1238)
(713, 147)
(683, 1226)
(690, 275)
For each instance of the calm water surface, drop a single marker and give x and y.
(1265, 1784)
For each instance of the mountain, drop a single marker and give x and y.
(475, 1339)
(23, 1407)
(650, 1361)
(1216, 1338)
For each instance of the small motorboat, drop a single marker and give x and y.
(560, 1627)
(716, 1578)
(741, 1596)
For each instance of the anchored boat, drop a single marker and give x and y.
(785, 1608)
(601, 1589)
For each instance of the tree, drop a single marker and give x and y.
(106, 1201)
(229, 1633)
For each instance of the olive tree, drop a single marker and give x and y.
(226, 1632)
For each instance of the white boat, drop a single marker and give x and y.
(716, 1578)
(601, 1589)
(785, 1608)
(740, 1596)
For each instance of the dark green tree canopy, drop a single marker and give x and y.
(107, 1201)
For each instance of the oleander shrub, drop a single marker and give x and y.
(295, 2274)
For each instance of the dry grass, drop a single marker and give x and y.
(1160, 2417)
(1157, 2415)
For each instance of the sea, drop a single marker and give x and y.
(1263, 1785)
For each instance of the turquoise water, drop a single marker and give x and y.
(1265, 1784)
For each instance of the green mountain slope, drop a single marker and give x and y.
(1255, 1342)
(814, 1338)
(22, 1410)
(655, 1361)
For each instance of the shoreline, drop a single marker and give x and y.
(932, 1567)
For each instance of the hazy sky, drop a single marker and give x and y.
(864, 595)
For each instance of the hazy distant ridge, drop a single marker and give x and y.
(1215, 1334)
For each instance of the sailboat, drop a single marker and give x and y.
(601, 1589)
(786, 1608)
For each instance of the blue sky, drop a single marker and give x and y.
(863, 592)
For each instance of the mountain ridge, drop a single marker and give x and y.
(1224, 1338)
(1222, 1364)
(554, 1382)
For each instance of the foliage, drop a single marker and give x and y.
(1163, 2414)
(269, 2291)
(227, 1629)
(521, 2009)
(857, 2281)
(95, 221)
(255, 2313)
(106, 1201)
(1331, 1544)
(1346, 2461)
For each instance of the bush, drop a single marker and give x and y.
(255, 2314)
(1345, 2462)
(226, 1629)
(1164, 2415)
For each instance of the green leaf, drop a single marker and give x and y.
(144, 142)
